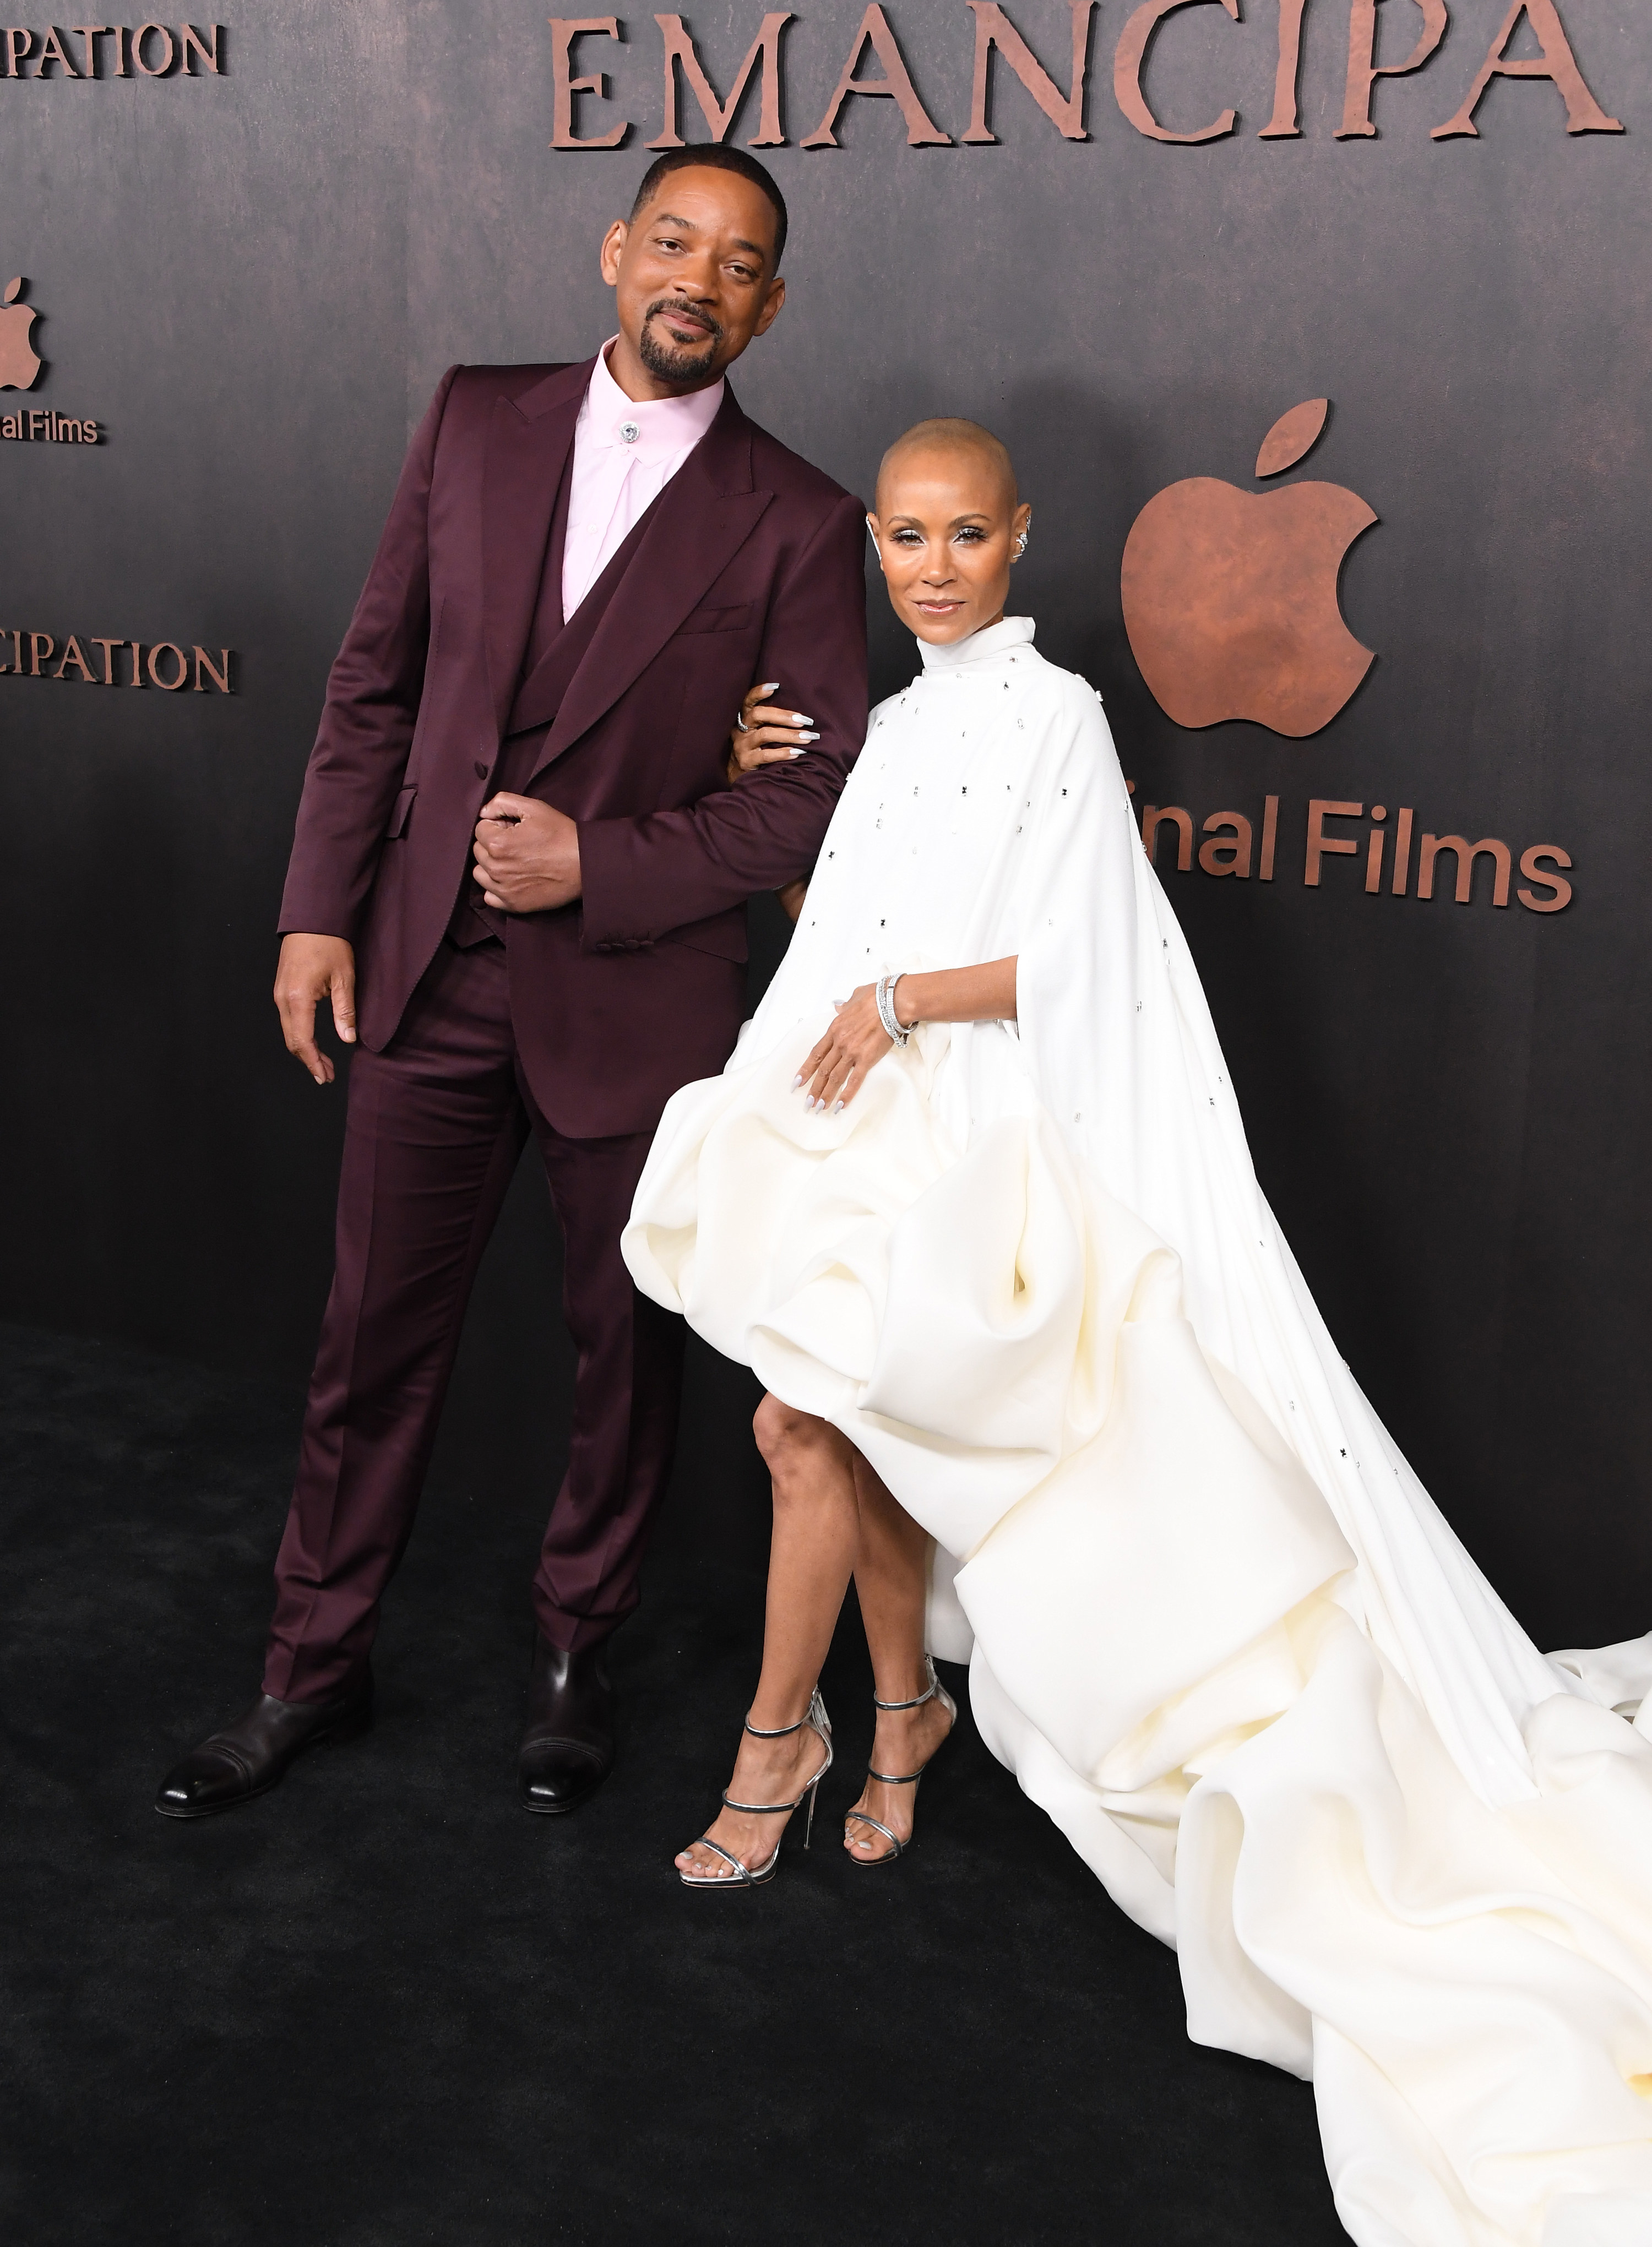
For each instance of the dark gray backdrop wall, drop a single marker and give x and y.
(253, 280)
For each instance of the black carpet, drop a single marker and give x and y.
(385, 2007)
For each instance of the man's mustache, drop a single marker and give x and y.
(694, 312)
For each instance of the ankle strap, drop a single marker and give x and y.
(782, 1731)
(935, 1688)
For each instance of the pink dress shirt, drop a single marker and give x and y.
(624, 455)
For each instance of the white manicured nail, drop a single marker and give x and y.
(837, 1107)
(810, 737)
(797, 1084)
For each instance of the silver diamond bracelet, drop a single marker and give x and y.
(886, 1014)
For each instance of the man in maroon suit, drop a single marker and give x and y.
(519, 853)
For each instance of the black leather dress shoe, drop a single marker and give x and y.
(568, 1742)
(245, 1759)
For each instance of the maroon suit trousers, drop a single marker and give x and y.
(436, 1124)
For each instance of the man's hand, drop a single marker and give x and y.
(527, 855)
(312, 968)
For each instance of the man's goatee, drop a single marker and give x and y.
(679, 364)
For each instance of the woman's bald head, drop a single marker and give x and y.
(945, 443)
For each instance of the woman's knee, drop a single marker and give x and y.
(786, 1437)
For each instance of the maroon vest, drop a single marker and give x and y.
(555, 649)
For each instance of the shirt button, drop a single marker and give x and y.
(482, 770)
(630, 431)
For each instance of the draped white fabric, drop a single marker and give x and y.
(1220, 1631)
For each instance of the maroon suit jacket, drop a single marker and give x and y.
(749, 566)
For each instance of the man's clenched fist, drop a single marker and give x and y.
(527, 855)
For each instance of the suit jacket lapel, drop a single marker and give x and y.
(700, 522)
(528, 442)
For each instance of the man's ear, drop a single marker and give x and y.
(772, 303)
(613, 249)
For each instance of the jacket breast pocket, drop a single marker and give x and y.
(718, 620)
(397, 821)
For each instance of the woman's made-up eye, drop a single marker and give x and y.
(970, 535)
(908, 537)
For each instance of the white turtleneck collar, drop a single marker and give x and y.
(992, 644)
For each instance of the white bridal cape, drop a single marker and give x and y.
(1220, 1631)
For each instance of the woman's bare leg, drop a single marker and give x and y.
(818, 1533)
(891, 1566)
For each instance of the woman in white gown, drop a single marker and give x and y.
(1018, 1271)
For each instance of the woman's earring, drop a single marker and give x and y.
(876, 548)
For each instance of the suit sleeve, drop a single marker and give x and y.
(644, 876)
(367, 723)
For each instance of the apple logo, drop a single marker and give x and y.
(1230, 598)
(18, 363)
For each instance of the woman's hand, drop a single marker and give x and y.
(766, 737)
(856, 1042)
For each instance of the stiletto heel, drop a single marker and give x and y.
(749, 1876)
(936, 1692)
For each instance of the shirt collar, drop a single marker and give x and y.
(992, 644)
(663, 426)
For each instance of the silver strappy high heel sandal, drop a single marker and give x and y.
(937, 1691)
(750, 1876)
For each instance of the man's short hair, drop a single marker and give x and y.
(715, 158)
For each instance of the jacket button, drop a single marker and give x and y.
(482, 770)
